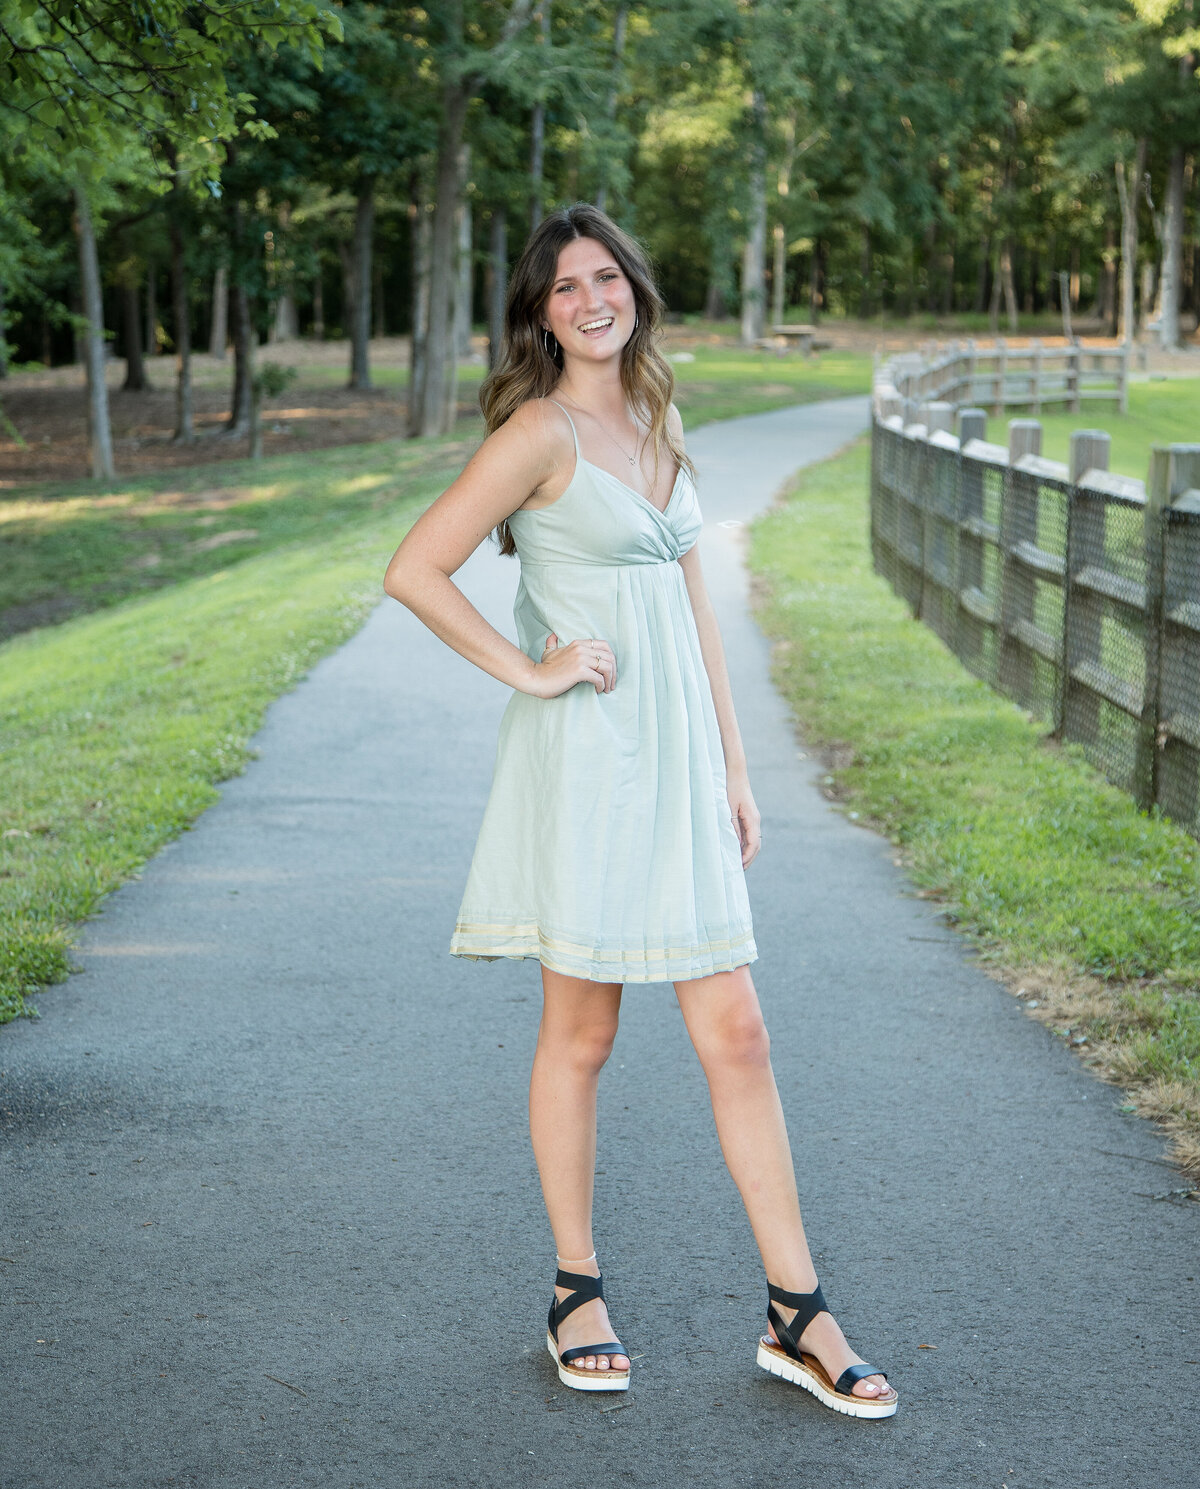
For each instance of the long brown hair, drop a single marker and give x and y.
(526, 369)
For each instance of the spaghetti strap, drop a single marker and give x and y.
(571, 422)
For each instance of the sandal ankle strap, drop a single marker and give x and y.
(807, 1306)
(584, 1289)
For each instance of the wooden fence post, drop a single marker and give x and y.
(972, 424)
(938, 416)
(1083, 612)
(1024, 438)
(999, 399)
(1018, 533)
(1074, 375)
(1169, 733)
(1035, 376)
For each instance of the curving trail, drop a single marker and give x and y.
(269, 1217)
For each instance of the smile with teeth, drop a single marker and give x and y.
(600, 325)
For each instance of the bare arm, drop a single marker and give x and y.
(511, 464)
(713, 652)
(741, 800)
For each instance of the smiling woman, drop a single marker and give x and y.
(620, 822)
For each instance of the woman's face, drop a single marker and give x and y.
(590, 309)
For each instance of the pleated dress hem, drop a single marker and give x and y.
(653, 964)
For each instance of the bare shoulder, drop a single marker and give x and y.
(675, 422)
(544, 429)
(511, 464)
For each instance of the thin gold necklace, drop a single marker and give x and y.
(633, 459)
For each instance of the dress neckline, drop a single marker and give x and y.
(591, 464)
(633, 491)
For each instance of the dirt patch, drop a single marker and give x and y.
(49, 411)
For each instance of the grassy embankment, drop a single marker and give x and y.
(1087, 908)
(194, 599)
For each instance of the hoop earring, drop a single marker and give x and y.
(548, 337)
(636, 321)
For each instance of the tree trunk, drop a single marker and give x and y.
(286, 323)
(464, 291)
(359, 284)
(421, 244)
(3, 336)
(99, 429)
(497, 282)
(816, 281)
(439, 369)
(981, 277)
(1172, 261)
(243, 329)
(450, 366)
(1007, 285)
(1146, 298)
(219, 326)
(753, 268)
(778, 275)
(378, 308)
(1106, 299)
(1128, 193)
(181, 310)
(151, 312)
(318, 307)
(135, 367)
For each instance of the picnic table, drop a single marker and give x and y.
(785, 336)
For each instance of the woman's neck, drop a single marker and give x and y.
(596, 389)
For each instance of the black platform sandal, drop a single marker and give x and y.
(579, 1379)
(786, 1359)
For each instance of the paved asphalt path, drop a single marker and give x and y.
(270, 1215)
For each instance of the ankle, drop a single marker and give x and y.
(566, 1264)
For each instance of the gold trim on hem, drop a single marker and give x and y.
(578, 959)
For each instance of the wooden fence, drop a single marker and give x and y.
(1071, 589)
(1006, 374)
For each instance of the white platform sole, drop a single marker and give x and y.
(586, 1380)
(858, 1406)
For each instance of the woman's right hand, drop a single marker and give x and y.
(562, 667)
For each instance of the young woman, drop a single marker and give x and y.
(620, 823)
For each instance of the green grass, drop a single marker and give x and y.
(1055, 874)
(117, 726)
(723, 382)
(70, 548)
(1160, 413)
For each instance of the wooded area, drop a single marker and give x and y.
(176, 175)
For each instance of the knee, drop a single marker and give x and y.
(738, 1041)
(586, 1046)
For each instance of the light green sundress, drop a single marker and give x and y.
(607, 849)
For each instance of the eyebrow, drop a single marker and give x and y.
(566, 278)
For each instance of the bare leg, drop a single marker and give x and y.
(726, 1027)
(579, 1023)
